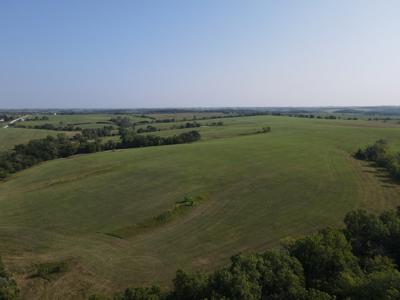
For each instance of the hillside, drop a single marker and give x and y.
(9, 137)
(258, 189)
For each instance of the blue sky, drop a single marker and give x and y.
(199, 53)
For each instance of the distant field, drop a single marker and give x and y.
(237, 126)
(81, 120)
(9, 137)
(186, 115)
(260, 188)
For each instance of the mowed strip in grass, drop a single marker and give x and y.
(261, 189)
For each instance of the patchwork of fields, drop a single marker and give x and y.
(260, 190)
(81, 120)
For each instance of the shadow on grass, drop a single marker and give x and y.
(382, 175)
(49, 270)
(179, 209)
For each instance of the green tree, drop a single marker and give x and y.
(329, 265)
(141, 293)
(194, 286)
(379, 286)
(365, 233)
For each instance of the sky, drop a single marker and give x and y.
(199, 53)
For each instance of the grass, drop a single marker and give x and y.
(183, 116)
(9, 137)
(179, 209)
(261, 188)
(49, 270)
(81, 120)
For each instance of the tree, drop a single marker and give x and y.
(195, 287)
(365, 233)
(379, 285)
(329, 265)
(371, 235)
(282, 276)
(141, 293)
(240, 281)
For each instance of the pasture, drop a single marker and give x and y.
(260, 189)
(81, 120)
(183, 116)
(9, 137)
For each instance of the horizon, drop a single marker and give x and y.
(189, 55)
(192, 108)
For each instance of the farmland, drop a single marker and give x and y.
(81, 120)
(9, 137)
(259, 190)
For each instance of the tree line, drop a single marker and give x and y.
(26, 155)
(122, 121)
(88, 132)
(220, 123)
(130, 139)
(37, 118)
(359, 262)
(93, 133)
(50, 126)
(379, 154)
(148, 128)
(186, 125)
(8, 117)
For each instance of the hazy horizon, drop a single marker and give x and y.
(181, 54)
(192, 108)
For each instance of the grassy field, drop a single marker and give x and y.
(81, 120)
(260, 189)
(9, 137)
(183, 116)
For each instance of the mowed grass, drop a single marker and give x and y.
(9, 137)
(260, 189)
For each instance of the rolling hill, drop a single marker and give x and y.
(258, 188)
(9, 137)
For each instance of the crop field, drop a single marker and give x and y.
(99, 215)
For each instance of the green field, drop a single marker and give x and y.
(259, 189)
(183, 116)
(81, 120)
(9, 137)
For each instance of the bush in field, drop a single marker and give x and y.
(378, 153)
(148, 128)
(8, 287)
